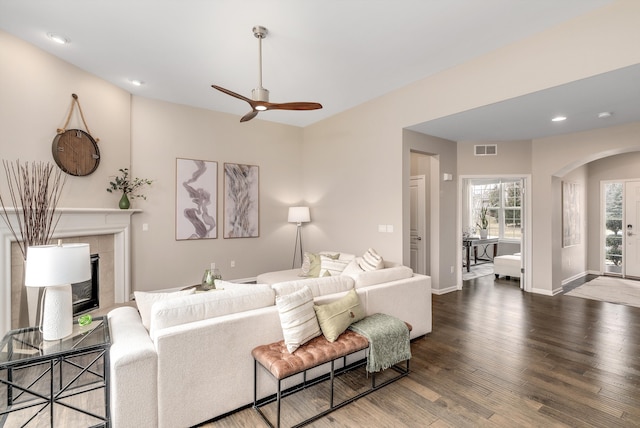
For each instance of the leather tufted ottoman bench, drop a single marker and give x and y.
(276, 359)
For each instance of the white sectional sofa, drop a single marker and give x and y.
(194, 363)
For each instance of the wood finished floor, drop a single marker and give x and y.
(501, 357)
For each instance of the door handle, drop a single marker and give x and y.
(419, 238)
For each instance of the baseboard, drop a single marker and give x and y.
(444, 290)
(574, 277)
(545, 292)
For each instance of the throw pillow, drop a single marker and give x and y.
(297, 317)
(371, 261)
(306, 264)
(330, 266)
(335, 317)
(145, 300)
(353, 268)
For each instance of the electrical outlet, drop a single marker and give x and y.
(389, 228)
(233, 263)
(382, 228)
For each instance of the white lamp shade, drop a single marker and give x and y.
(51, 265)
(299, 215)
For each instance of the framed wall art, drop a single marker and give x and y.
(241, 201)
(570, 214)
(196, 199)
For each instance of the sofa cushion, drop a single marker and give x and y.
(318, 286)
(298, 318)
(395, 273)
(214, 303)
(335, 317)
(145, 300)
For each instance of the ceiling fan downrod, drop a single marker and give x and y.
(260, 93)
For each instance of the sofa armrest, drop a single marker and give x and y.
(408, 299)
(133, 371)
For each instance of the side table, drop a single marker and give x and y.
(55, 382)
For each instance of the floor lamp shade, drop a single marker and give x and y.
(56, 267)
(299, 215)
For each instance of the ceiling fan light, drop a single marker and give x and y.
(261, 108)
(260, 94)
(58, 38)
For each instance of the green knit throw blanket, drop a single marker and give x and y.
(388, 340)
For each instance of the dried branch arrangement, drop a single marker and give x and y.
(34, 190)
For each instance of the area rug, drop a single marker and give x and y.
(477, 271)
(608, 289)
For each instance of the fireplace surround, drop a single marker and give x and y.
(88, 223)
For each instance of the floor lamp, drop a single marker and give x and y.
(298, 215)
(56, 267)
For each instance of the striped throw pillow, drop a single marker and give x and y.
(298, 318)
(330, 266)
(371, 261)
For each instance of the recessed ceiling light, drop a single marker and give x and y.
(605, 114)
(58, 38)
(559, 118)
(136, 82)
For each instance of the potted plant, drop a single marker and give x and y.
(130, 188)
(483, 222)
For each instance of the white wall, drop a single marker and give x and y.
(161, 133)
(553, 159)
(35, 98)
(513, 158)
(353, 168)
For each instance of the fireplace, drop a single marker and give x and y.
(106, 230)
(86, 295)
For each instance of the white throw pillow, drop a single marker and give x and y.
(298, 318)
(353, 268)
(333, 266)
(145, 300)
(371, 261)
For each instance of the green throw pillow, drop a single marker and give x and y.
(335, 317)
(315, 263)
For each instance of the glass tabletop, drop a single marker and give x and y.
(27, 345)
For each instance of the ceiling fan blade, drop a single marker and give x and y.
(247, 117)
(294, 106)
(233, 94)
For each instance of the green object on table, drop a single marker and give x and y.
(85, 320)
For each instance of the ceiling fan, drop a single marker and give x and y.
(260, 95)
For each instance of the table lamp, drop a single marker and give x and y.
(56, 267)
(298, 215)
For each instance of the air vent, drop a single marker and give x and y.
(485, 149)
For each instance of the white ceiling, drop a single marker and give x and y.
(339, 53)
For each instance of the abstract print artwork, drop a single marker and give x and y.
(241, 201)
(570, 214)
(196, 199)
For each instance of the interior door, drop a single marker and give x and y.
(417, 246)
(632, 228)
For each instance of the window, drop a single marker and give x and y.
(503, 200)
(613, 227)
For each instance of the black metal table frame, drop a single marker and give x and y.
(257, 404)
(63, 391)
(468, 243)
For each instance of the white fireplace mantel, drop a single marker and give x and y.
(74, 222)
